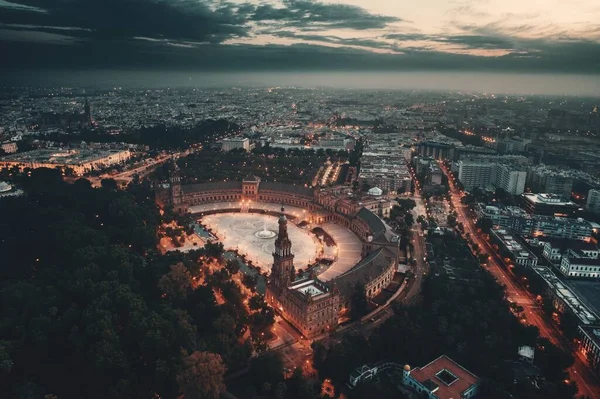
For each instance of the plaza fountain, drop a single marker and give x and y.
(265, 233)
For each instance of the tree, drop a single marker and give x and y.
(483, 258)
(232, 266)
(176, 284)
(214, 250)
(406, 204)
(485, 224)
(250, 281)
(266, 368)
(409, 219)
(451, 219)
(201, 376)
(358, 302)
(109, 184)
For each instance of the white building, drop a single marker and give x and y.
(593, 201)
(9, 147)
(235, 143)
(590, 343)
(555, 249)
(475, 174)
(483, 173)
(575, 264)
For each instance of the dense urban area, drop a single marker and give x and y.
(295, 243)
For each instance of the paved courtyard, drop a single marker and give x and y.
(349, 249)
(243, 231)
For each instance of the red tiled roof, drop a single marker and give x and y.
(453, 391)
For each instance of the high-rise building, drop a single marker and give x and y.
(509, 179)
(484, 172)
(593, 201)
(543, 179)
(475, 174)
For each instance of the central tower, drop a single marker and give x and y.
(283, 272)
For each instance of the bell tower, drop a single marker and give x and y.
(175, 180)
(283, 271)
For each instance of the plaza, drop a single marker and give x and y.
(254, 236)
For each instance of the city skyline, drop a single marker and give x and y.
(493, 36)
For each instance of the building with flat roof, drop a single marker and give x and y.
(556, 248)
(548, 204)
(510, 247)
(561, 227)
(443, 378)
(577, 264)
(565, 299)
(79, 160)
(511, 218)
(517, 221)
(235, 143)
(507, 174)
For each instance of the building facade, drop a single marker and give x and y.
(577, 264)
(548, 205)
(555, 249)
(235, 143)
(80, 161)
(517, 221)
(593, 201)
(485, 173)
(542, 179)
(590, 345)
(512, 249)
(308, 304)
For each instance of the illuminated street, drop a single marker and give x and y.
(579, 372)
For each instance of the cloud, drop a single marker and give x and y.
(338, 41)
(120, 19)
(216, 35)
(22, 7)
(309, 14)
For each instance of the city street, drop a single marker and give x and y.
(588, 385)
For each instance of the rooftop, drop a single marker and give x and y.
(59, 156)
(584, 261)
(446, 378)
(310, 287)
(364, 271)
(577, 300)
(512, 244)
(499, 209)
(564, 243)
(547, 199)
(236, 139)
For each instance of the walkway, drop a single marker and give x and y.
(348, 252)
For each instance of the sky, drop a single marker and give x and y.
(525, 36)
